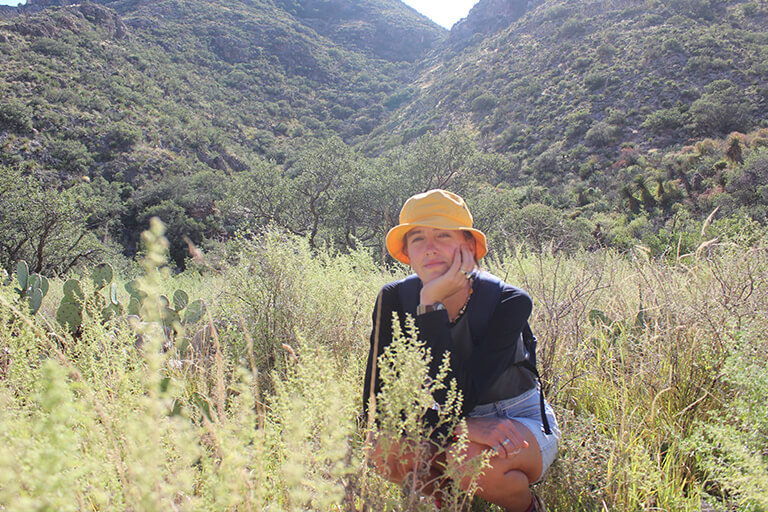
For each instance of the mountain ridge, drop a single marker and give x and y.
(217, 115)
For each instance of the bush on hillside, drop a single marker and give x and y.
(15, 117)
(664, 120)
(721, 110)
(484, 102)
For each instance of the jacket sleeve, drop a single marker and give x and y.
(491, 354)
(386, 301)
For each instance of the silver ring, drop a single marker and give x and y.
(506, 441)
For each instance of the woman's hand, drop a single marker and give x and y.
(498, 434)
(453, 281)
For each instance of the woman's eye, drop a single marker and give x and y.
(417, 239)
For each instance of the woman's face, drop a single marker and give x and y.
(431, 250)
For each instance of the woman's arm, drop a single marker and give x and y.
(382, 323)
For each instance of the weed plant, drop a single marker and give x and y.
(656, 369)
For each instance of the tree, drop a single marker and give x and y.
(540, 225)
(320, 178)
(44, 226)
(257, 196)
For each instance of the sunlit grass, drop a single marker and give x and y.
(655, 370)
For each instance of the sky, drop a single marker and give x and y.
(442, 12)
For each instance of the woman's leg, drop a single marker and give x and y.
(394, 459)
(506, 483)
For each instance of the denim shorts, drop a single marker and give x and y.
(526, 409)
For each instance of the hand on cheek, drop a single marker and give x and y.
(453, 280)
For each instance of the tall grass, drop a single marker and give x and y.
(655, 369)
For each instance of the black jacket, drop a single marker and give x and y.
(496, 337)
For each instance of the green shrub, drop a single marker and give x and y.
(14, 116)
(70, 156)
(542, 227)
(602, 134)
(484, 102)
(728, 444)
(572, 27)
(663, 120)
(722, 109)
(595, 80)
(51, 47)
(122, 137)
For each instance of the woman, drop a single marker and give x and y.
(449, 299)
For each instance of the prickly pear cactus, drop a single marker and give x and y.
(180, 300)
(32, 287)
(73, 291)
(132, 287)
(134, 306)
(22, 275)
(113, 294)
(35, 300)
(195, 311)
(35, 281)
(112, 310)
(70, 315)
(102, 275)
(170, 317)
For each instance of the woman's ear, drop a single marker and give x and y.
(472, 243)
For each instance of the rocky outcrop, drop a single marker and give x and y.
(96, 14)
(105, 18)
(488, 17)
(385, 29)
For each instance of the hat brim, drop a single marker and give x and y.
(396, 238)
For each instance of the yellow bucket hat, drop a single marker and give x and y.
(433, 209)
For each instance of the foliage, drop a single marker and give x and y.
(721, 109)
(652, 391)
(47, 228)
(263, 114)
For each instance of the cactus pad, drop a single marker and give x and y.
(134, 306)
(113, 294)
(73, 292)
(34, 281)
(44, 285)
(102, 275)
(132, 287)
(35, 300)
(22, 274)
(195, 311)
(111, 311)
(170, 317)
(70, 315)
(180, 300)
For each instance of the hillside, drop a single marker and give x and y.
(582, 122)
(139, 96)
(584, 78)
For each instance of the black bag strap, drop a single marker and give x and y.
(529, 363)
(487, 293)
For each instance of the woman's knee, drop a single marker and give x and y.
(388, 460)
(394, 459)
(528, 461)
